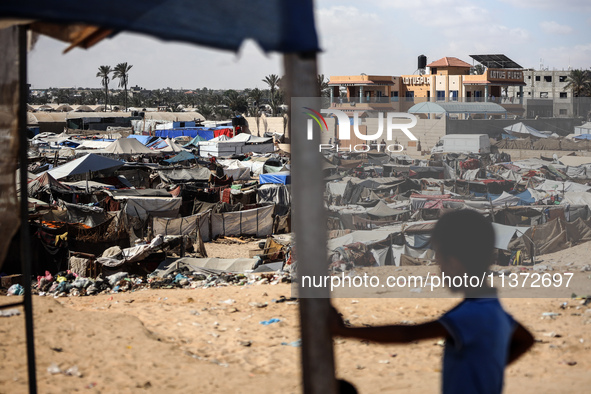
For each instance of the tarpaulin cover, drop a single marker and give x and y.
(184, 175)
(183, 226)
(273, 193)
(90, 216)
(183, 156)
(207, 264)
(504, 234)
(257, 222)
(276, 25)
(127, 146)
(144, 139)
(90, 162)
(283, 177)
(156, 206)
(226, 132)
(382, 210)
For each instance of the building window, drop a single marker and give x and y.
(394, 96)
(453, 95)
(562, 111)
(563, 95)
(537, 78)
(543, 94)
(562, 78)
(547, 78)
(410, 96)
(529, 77)
(440, 95)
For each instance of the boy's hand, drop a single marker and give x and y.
(336, 324)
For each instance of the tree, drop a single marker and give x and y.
(235, 101)
(103, 73)
(273, 81)
(323, 86)
(121, 72)
(579, 82)
(479, 69)
(206, 110)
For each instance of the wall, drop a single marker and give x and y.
(271, 124)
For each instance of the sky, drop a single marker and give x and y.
(376, 37)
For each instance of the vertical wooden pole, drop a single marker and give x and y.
(24, 208)
(309, 220)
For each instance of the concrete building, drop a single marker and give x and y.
(545, 95)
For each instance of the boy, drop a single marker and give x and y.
(481, 338)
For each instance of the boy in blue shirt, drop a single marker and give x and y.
(481, 338)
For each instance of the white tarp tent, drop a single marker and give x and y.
(523, 130)
(127, 146)
(90, 162)
(156, 206)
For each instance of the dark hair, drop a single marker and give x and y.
(466, 235)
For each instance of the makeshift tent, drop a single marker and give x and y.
(522, 130)
(127, 146)
(90, 162)
(141, 207)
(184, 175)
(283, 177)
(171, 147)
(183, 226)
(381, 210)
(252, 139)
(195, 142)
(183, 156)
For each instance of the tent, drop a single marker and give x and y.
(171, 147)
(251, 139)
(90, 162)
(127, 146)
(522, 130)
(183, 156)
(195, 141)
(382, 210)
(283, 177)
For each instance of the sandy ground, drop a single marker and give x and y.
(211, 340)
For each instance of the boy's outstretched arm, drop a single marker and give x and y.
(387, 334)
(521, 341)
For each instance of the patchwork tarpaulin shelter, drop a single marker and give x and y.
(258, 221)
(90, 162)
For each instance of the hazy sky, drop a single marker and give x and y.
(382, 37)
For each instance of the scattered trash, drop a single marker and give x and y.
(384, 361)
(552, 335)
(551, 315)
(245, 343)
(297, 343)
(270, 321)
(9, 312)
(15, 289)
(229, 301)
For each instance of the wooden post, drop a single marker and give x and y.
(310, 232)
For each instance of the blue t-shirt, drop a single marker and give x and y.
(477, 348)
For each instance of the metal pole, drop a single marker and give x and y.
(24, 208)
(310, 232)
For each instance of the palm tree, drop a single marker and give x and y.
(323, 86)
(273, 81)
(579, 82)
(103, 73)
(121, 71)
(235, 101)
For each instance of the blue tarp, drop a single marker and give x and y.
(144, 139)
(283, 178)
(276, 25)
(183, 156)
(525, 197)
(583, 137)
(207, 134)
